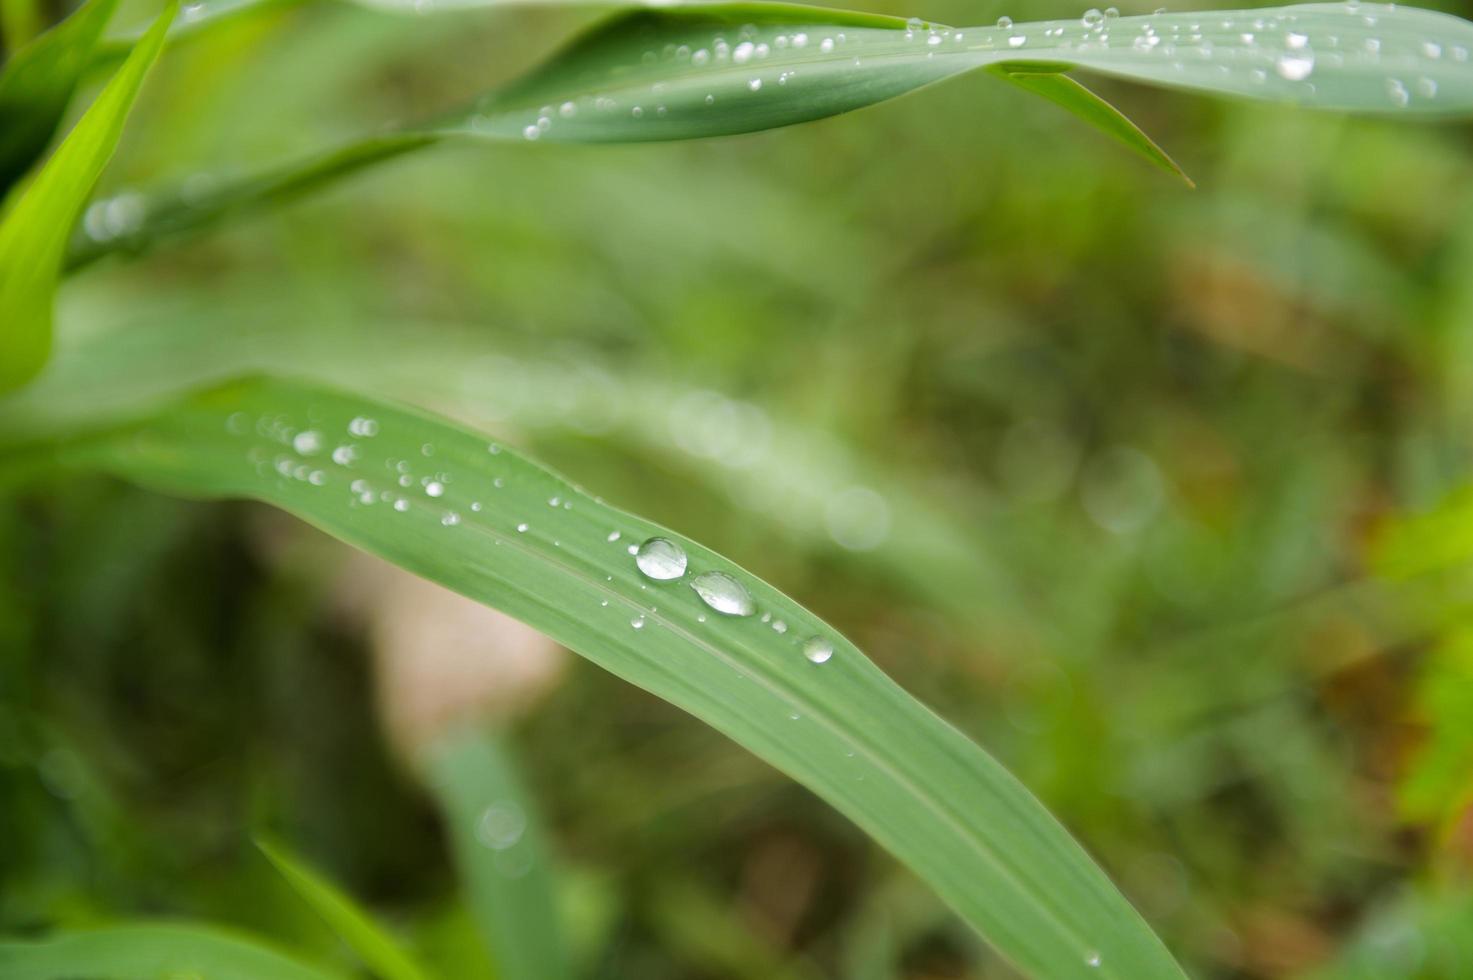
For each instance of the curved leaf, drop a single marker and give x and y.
(152, 952)
(705, 70)
(440, 501)
(374, 946)
(33, 233)
(37, 83)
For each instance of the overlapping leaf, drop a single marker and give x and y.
(34, 232)
(706, 70)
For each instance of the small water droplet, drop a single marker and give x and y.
(307, 443)
(755, 84)
(1093, 19)
(1004, 22)
(1017, 41)
(501, 826)
(1398, 93)
(1295, 40)
(826, 45)
(1092, 960)
(401, 505)
(450, 519)
(933, 40)
(613, 536)
(723, 593)
(1295, 66)
(434, 488)
(778, 626)
(818, 649)
(637, 622)
(660, 559)
(522, 528)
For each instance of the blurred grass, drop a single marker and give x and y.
(1174, 423)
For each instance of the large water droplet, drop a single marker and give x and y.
(723, 593)
(818, 649)
(660, 559)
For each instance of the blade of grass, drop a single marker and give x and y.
(371, 942)
(148, 952)
(37, 83)
(500, 854)
(707, 70)
(33, 233)
(1072, 96)
(440, 501)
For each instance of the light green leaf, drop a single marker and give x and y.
(502, 860)
(374, 946)
(1069, 94)
(152, 952)
(440, 501)
(705, 70)
(37, 83)
(33, 234)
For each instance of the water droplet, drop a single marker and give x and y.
(401, 505)
(1296, 40)
(1112, 12)
(1295, 66)
(344, 455)
(1017, 41)
(742, 53)
(778, 626)
(1092, 960)
(723, 593)
(933, 40)
(501, 826)
(800, 40)
(818, 649)
(637, 622)
(531, 132)
(307, 443)
(661, 559)
(522, 528)
(1092, 20)
(567, 110)
(755, 84)
(1398, 93)
(826, 45)
(450, 519)
(1004, 22)
(613, 536)
(434, 488)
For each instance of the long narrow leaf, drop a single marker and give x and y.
(152, 952)
(375, 947)
(37, 83)
(33, 234)
(500, 854)
(707, 70)
(698, 631)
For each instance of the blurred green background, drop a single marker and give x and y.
(1153, 492)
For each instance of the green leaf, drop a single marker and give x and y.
(33, 234)
(37, 83)
(704, 70)
(374, 946)
(496, 836)
(152, 952)
(440, 501)
(1064, 91)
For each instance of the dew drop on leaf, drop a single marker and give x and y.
(660, 559)
(723, 593)
(818, 649)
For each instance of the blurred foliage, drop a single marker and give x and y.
(1187, 444)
